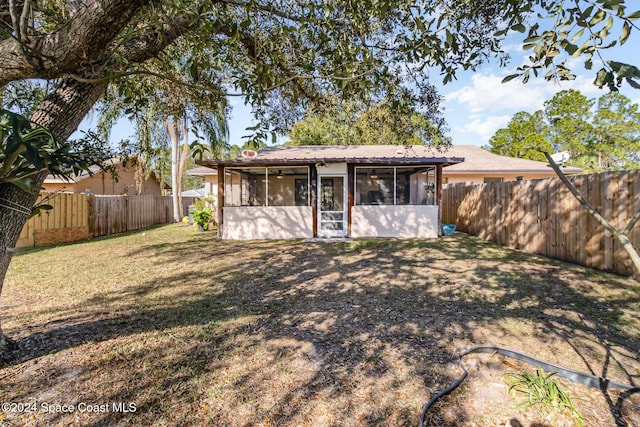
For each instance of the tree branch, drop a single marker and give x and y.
(83, 39)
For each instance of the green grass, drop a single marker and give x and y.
(195, 330)
(542, 392)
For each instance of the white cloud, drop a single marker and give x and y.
(486, 93)
(483, 128)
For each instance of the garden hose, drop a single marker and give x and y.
(571, 375)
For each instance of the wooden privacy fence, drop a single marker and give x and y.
(543, 217)
(80, 216)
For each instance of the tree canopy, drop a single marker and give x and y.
(599, 134)
(349, 123)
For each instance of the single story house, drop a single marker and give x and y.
(331, 191)
(103, 183)
(210, 179)
(481, 166)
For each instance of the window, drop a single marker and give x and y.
(260, 186)
(488, 179)
(414, 185)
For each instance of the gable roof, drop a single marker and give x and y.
(202, 171)
(479, 160)
(94, 170)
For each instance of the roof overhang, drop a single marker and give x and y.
(444, 161)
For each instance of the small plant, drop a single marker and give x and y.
(542, 391)
(203, 214)
(202, 217)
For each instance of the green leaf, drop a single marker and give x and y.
(633, 83)
(626, 31)
(597, 18)
(577, 35)
(633, 16)
(510, 77)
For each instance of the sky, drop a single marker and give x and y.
(476, 104)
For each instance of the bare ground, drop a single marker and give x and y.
(172, 327)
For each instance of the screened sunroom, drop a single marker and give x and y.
(331, 191)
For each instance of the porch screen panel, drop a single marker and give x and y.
(410, 185)
(374, 186)
(288, 186)
(245, 187)
(415, 185)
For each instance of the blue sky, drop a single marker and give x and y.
(478, 104)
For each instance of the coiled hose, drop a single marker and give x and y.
(571, 375)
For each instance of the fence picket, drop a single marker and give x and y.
(543, 217)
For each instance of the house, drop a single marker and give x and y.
(103, 183)
(331, 191)
(482, 166)
(210, 179)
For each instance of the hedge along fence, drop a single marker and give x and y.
(80, 216)
(543, 217)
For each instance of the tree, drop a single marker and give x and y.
(604, 138)
(616, 133)
(524, 137)
(350, 123)
(284, 57)
(568, 115)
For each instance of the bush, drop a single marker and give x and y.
(202, 217)
(203, 214)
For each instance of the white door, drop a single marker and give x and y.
(332, 206)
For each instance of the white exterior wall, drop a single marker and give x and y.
(394, 221)
(267, 222)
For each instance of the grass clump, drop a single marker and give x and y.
(543, 392)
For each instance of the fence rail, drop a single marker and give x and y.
(80, 216)
(543, 217)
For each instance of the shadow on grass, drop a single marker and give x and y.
(348, 313)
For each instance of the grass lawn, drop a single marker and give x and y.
(173, 327)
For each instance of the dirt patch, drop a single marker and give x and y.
(178, 328)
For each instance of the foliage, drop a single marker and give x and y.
(351, 123)
(542, 390)
(29, 150)
(202, 217)
(580, 29)
(203, 214)
(602, 134)
(522, 138)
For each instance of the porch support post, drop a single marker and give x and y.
(220, 200)
(350, 194)
(439, 196)
(313, 199)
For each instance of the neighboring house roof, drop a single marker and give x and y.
(95, 169)
(372, 154)
(478, 160)
(202, 171)
(199, 192)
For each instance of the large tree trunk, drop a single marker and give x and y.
(61, 112)
(183, 163)
(173, 129)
